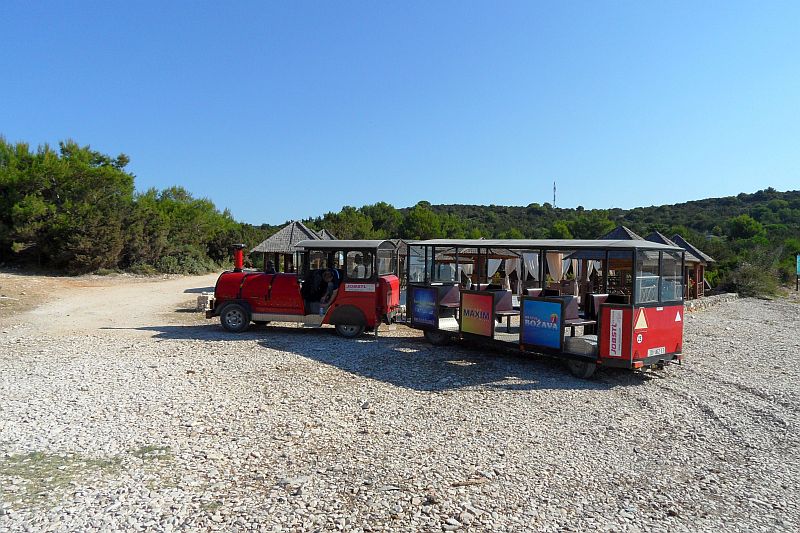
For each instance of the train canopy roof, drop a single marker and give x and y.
(344, 244)
(549, 244)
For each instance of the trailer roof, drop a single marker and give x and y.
(342, 244)
(550, 244)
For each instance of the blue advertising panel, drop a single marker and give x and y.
(541, 323)
(423, 307)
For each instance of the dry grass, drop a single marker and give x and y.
(38, 477)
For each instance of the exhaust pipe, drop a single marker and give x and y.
(238, 257)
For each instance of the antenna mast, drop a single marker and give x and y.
(554, 194)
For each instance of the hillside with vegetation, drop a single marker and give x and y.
(753, 237)
(75, 210)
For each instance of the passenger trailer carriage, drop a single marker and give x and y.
(588, 302)
(368, 288)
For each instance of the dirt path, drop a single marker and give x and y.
(115, 305)
(120, 414)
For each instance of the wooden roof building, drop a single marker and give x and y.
(281, 246)
(691, 249)
(621, 233)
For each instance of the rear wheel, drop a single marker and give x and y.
(581, 369)
(348, 331)
(437, 338)
(235, 318)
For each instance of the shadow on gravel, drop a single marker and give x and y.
(198, 290)
(411, 362)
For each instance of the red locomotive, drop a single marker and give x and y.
(350, 284)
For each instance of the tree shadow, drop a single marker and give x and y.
(199, 290)
(411, 362)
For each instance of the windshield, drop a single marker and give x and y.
(386, 262)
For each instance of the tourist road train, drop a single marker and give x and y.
(591, 303)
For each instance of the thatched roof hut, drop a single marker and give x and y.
(285, 239)
(621, 233)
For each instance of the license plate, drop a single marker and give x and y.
(661, 350)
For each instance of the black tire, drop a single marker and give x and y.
(235, 318)
(437, 338)
(349, 331)
(581, 369)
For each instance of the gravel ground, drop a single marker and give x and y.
(187, 427)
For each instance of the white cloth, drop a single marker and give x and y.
(511, 266)
(555, 265)
(531, 261)
(494, 264)
(466, 269)
(566, 264)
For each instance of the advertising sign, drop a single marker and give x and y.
(423, 307)
(476, 314)
(615, 333)
(541, 323)
(359, 287)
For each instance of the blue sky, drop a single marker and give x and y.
(286, 110)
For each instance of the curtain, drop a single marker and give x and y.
(555, 266)
(467, 270)
(511, 266)
(531, 264)
(494, 264)
(591, 266)
(565, 266)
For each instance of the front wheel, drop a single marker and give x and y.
(581, 369)
(348, 331)
(235, 318)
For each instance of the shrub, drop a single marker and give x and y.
(750, 279)
(143, 269)
(185, 264)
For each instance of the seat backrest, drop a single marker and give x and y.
(551, 292)
(503, 301)
(594, 303)
(449, 294)
(533, 292)
(571, 310)
(569, 286)
(480, 286)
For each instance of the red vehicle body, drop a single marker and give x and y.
(368, 292)
(626, 311)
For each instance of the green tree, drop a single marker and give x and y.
(68, 207)
(349, 223)
(560, 230)
(421, 222)
(590, 225)
(512, 233)
(744, 227)
(385, 219)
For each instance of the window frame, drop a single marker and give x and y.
(348, 265)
